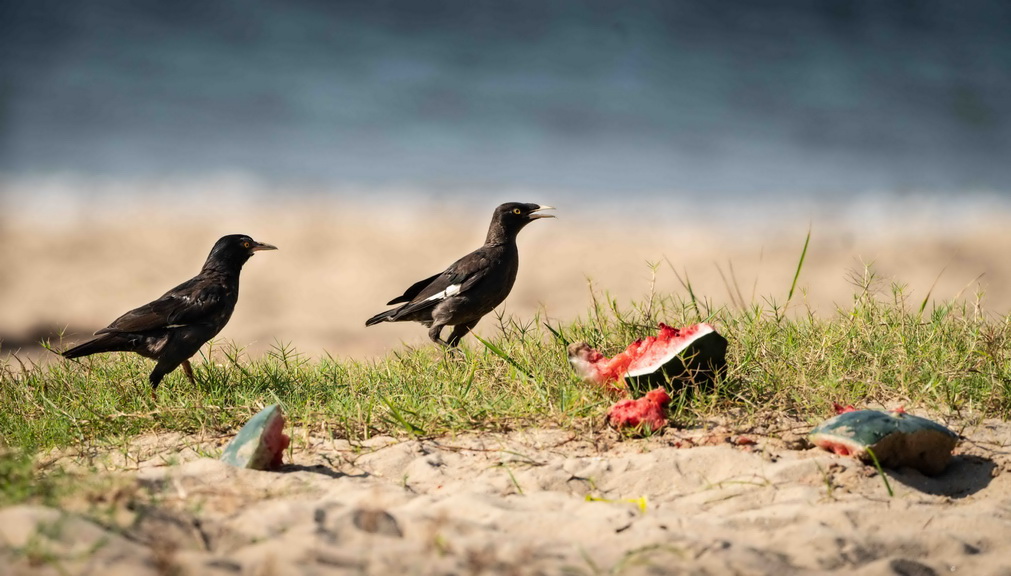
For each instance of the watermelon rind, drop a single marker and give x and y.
(250, 448)
(675, 359)
(897, 439)
(694, 365)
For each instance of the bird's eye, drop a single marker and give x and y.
(517, 211)
(246, 244)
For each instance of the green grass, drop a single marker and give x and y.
(945, 357)
(21, 480)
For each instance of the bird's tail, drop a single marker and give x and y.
(381, 317)
(104, 343)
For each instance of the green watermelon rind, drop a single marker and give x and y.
(896, 438)
(696, 362)
(648, 360)
(247, 449)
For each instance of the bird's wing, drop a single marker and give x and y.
(190, 302)
(414, 290)
(460, 277)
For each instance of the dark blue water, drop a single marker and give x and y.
(729, 98)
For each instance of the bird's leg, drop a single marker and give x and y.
(155, 379)
(459, 331)
(163, 367)
(188, 370)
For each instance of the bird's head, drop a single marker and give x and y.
(233, 250)
(511, 217)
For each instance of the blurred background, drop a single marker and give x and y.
(599, 97)
(700, 132)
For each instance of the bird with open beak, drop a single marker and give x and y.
(473, 285)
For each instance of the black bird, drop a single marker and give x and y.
(172, 328)
(473, 285)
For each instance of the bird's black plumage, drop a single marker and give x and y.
(172, 328)
(472, 286)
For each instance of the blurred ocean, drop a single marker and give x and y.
(771, 102)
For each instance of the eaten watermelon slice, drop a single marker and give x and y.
(895, 438)
(260, 444)
(673, 359)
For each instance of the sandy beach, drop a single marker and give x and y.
(709, 500)
(76, 269)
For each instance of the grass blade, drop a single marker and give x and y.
(503, 355)
(400, 419)
(884, 478)
(800, 266)
(557, 334)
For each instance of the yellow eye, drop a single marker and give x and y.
(517, 211)
(245, 244)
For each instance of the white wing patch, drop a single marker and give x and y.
(452, 290)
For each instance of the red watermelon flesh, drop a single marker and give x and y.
(275, 442)
(647, 414)
(674, 354)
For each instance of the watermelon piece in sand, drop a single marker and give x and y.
(260, 444)
(674, 358)
(896, 439)
(644, 415)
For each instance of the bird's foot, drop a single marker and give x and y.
(454, 352)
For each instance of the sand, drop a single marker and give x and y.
(710, 500)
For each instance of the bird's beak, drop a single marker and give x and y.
(261, 246)
(534, 216)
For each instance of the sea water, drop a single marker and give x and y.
(777, 105)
